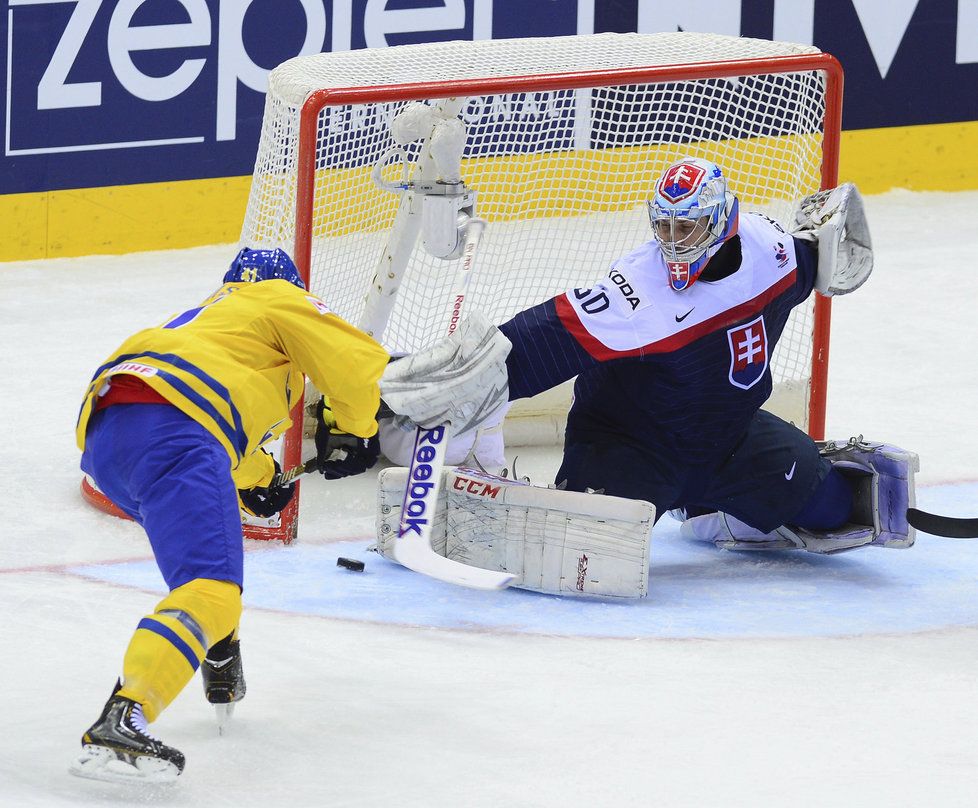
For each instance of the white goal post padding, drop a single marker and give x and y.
(565, 137)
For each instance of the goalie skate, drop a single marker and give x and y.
(118, 749)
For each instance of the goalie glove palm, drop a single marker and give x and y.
(341, 454)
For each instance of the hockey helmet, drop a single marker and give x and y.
(252, 266)
(693, 213)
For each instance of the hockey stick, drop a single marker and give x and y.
(412, 547)
(949, 527)
(285, 477)
(312, 464)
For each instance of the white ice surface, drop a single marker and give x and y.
(741, 681)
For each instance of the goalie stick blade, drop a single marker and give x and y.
(415, 554)
(950, 527)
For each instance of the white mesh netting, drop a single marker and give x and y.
(562, 175)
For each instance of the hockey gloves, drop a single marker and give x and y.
(267, 502)
(341, 454)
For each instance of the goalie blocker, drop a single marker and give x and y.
(559, 542)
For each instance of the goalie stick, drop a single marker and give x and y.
(412, 547)
(949, 527)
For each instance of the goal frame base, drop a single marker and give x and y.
(102, 503)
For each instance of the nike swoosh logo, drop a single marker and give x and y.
(680, 319)
(791, 471)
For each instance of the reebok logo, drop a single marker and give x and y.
(680, 319)
(417, 496)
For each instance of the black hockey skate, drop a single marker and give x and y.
(223, 675)
(117, 748)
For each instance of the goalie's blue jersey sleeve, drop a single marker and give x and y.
(681, 373)
(236, 364)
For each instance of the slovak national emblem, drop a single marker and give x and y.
(748, 353)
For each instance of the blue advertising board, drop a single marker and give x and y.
(135, 91)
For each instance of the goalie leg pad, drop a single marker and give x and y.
(559, 542)
(391, 483)
(883, 487)
(729, 533)
(882, 479)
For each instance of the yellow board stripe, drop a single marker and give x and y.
(122, 218)
(176, 215)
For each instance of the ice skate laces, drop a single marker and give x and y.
(138, 721)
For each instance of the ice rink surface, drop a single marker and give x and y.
(742, 680)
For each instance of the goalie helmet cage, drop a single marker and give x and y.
(565, 137)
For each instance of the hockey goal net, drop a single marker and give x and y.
(564, 138)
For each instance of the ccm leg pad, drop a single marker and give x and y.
(560, 542)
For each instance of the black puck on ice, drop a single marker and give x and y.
(350, 564)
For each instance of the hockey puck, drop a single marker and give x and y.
(350, 564)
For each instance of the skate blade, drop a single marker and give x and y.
(224, 713)
(102, 763)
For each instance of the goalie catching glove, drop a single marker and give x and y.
(560, 542)
(340, 454)
(835, 220)
(460, 380)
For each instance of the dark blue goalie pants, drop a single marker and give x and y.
(773, 476)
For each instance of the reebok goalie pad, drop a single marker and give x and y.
(560, 542)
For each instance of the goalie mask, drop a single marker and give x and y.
(692, 214)
(252, 266)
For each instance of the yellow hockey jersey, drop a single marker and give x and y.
(235, 364)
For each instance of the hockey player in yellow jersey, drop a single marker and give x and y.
(171, 428)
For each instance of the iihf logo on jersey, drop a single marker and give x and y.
(781, 254)
(681, 181)
(748, 353)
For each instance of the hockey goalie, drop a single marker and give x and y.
(671, 353)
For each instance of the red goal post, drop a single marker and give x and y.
(564, 139)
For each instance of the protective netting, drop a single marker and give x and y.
(562, 175)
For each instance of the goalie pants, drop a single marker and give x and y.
(172, 476)
(773, 475)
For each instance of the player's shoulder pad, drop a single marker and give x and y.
(624, 291)
(762, 223)
(766, 238)
(290, 294)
